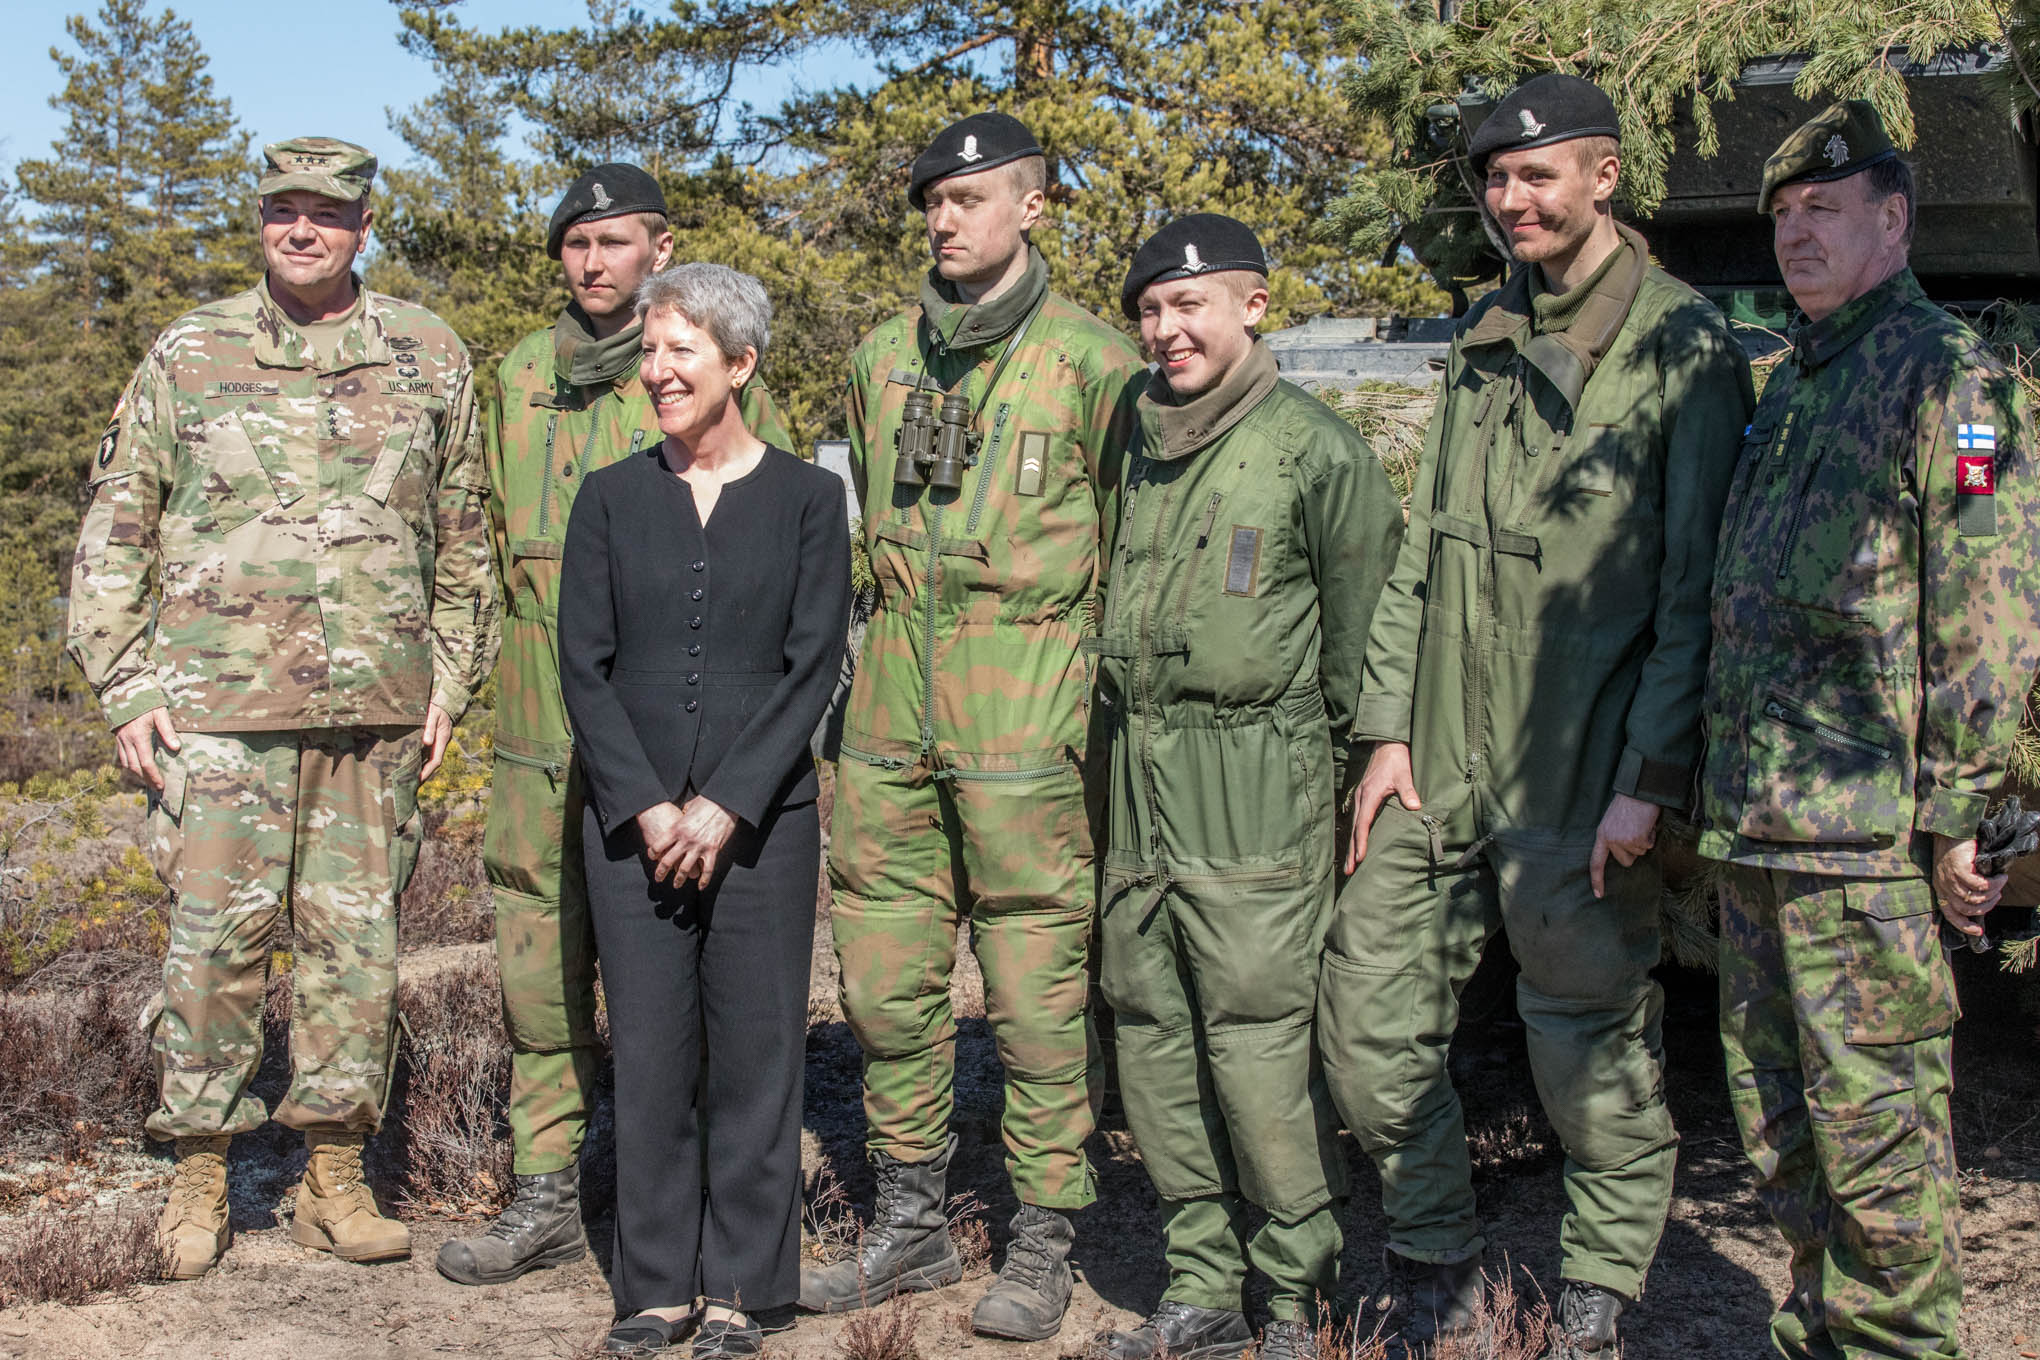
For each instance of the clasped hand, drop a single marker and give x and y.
(685, 842)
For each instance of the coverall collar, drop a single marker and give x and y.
(582, 360)
(1178, 429)
(1567, 357)
(1816, 342)
(956, 324)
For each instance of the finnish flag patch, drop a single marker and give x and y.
(1976, 436)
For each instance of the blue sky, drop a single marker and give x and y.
(281, 83)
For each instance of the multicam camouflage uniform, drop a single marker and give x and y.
(1876, 620)
(541, 440)
(1541, 647)
(960, 785)
(285, 548)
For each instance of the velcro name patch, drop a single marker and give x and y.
(1243, 561)
(407, 387)
(241, 388)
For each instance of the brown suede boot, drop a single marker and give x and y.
(193, 1230)
(336, 1211)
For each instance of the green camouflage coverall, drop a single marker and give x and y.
(1876, 619)
(960, 786)
(541, 438)
(285, 548)
(1256, 532)
(1541, 647)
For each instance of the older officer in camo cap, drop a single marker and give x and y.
(282, 598)
(1876, 610)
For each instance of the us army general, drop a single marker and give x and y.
(282, 597)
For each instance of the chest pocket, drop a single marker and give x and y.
(238, 477)
(402, 476)
(1840, 526)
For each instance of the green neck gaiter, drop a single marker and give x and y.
(965, 325)
(581, 360)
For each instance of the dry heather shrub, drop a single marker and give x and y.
(450, 1149)
(829, 1218)
(969, 1235)
(67, 1258)
(447, 900)
(1342, 1340)
(72, 1059)
(1507, 1327)
(883, 1333)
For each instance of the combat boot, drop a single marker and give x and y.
(1434, 1300)
(906, 1248)
(193, 1231)
(1178, 1331)
(335, 1209)
(540, 1227)
(1585, 1321)
(1027, 1301)
(1287, 1339)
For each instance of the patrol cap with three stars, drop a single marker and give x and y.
(979, 142)
(610, 190)
(1841, 140)
(1553, 107)
(1190, 247)
(324, 165)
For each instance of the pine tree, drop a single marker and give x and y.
(144, 209)
(1655, 58)
(1145, 113)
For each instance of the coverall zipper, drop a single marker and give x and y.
(1144, 674)
(1791, 717)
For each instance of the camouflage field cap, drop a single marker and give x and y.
(324, 165)
(1841, 140)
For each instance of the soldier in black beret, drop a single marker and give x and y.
(1569, 498)
(1269, 525)
(991, 414)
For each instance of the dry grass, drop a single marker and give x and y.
(829, 1219)
(447, 1143)
(73, 1062)
(1508, 1326)
(69, 1257)
(447, 901)
(969, 1234)
(882, 1333)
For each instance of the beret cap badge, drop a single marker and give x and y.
(970, 151)
(602, 198)
(1836, 150)
(1531, 127)
(1192, 261)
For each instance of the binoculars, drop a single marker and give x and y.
(934, 450)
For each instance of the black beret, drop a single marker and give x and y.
(606, 191)
(1202, 243)
(1841, 140)
(1542, 110)
(967, 146)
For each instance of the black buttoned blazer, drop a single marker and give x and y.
(698, 659)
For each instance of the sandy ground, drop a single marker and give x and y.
(1719, 1269)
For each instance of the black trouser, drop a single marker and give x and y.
(707, 996)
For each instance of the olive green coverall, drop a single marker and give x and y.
(1540, 647)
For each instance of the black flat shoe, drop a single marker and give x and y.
(721, 1337)
(645, 1334)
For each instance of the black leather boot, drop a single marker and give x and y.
(1179, 1331)
(1027, 1301)
(1285, 1339)
(1584, 1324)
(540, 1227)
(906, 1248)
(1434, 1300)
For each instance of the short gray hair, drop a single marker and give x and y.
(727, 303)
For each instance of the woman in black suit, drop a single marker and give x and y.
(703, 599)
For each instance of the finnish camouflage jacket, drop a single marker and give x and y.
(1876, 597)
(278, 540)
(1544, 633)
(541, 438)
(1253, 543)
(972, 659)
